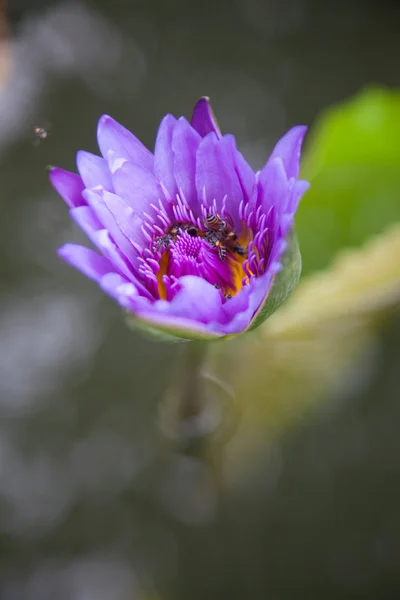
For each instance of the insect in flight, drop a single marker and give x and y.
(41, 133)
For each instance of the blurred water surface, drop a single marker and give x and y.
(94, 502)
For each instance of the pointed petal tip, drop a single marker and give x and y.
(203, 119)
(68, 185)
(202, 100)
(295, 135)
(111, 135)
(60, 249)
(299, 131)
(52, 171)
(104, 119)
(168, 121)
(182, 120)
(304, 185)
(104, 122)
(303, 130)
(289, 149)
(65, 250)
(202, 108)
(81, 154)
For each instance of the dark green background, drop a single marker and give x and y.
(93, 502)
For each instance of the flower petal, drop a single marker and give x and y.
(111, 284)
(94, 170)
(245, 173)
(85, 217)
(197, 299)
(241, 321)
(203, 120)
(113, 136)
(137, 186)
(91, 264)
(216, 176)
(69, 185)
(289, 148)
(191, 313)
(164, 156)
(87, 220)
(273, 186)
(185, 142)
(127, 220)
(242, 307)
(106, 217)
(300, 188)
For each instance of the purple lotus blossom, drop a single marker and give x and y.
(190, 238)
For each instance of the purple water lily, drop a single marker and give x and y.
(190, 237)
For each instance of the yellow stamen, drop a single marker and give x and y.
(246, 235)
(238, 275)
(237, 261)
(162, 290)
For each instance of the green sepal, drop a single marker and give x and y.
(284, 283)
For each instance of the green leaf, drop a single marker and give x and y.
(283, 284)
(353, 163)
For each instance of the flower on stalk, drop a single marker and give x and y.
(191, 240)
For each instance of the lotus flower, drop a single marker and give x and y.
(191, 241)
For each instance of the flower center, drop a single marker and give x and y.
(186, 247)
(213, 254)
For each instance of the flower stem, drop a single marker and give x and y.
(191, 392)
(198, 410)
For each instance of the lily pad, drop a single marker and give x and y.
(353, 163)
